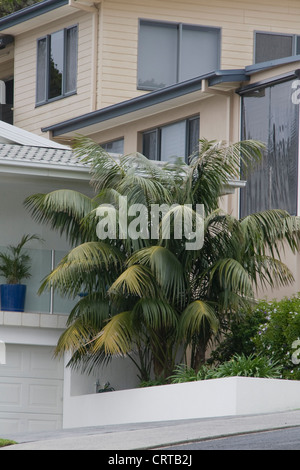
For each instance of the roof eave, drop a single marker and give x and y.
(148, 100)
(46, 170)
(9, 23)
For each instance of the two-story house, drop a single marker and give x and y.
(154, 77)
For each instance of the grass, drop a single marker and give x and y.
(6, 442)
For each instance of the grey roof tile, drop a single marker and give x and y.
(42, 155)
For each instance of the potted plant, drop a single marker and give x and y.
(15, 266)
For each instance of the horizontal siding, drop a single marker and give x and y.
(118, 43)
(33, 118)
(238, 19)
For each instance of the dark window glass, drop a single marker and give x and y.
(174, 140)
(193, 135)
(57, 64)
(172, 52)
(114, 147)
(298, 45)
(71, 59)
(150, 144)
(41, 70)
(9, 91)
(269, 115)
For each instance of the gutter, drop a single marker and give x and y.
(47, 170)
(30, 12)
(269, 81)
(147, 100)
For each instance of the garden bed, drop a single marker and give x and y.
(229, 396)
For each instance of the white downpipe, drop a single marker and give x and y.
(94, 8)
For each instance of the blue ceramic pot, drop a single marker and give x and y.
(12, 297)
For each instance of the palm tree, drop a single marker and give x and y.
(152, 299)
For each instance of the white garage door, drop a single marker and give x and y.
(31, 390)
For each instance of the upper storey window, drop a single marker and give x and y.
(169, 53)
(272, 46)
(56, 65)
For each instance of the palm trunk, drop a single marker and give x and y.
(198, 358)
(162, 356)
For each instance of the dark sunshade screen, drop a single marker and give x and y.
(269, 115)
(272, 46)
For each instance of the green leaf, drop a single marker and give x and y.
(166, 268)
(116, 337)
(135, 280)
(156, 314)
(194, 317)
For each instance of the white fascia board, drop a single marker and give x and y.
(12, 134)
(51, 171)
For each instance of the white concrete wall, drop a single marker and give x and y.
(120, 373)
(210, 398)
(16, 220)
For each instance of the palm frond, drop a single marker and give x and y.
(105, 170)
(216, 165)
(136, 280)
(143, 190)
(116, 336)
(63, 210)
(92, 309)
(166, 268)
(156, 314)
(89, 259)
(232, 276)
(271, 272)
(194, 317)
(271, 230)
(74, 338)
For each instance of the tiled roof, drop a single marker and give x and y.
(38, 155)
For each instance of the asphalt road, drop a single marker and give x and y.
(281, 439)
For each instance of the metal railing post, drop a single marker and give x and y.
(51, 289)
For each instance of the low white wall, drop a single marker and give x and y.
(210, 398)
(256, 395)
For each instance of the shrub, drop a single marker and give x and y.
(184, 373)
(152, 383)
(238, 365)
(276, 336)
(238, 337)
(251, 366)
